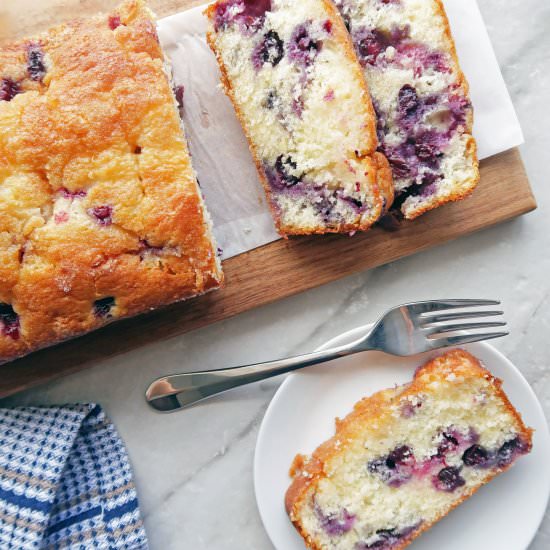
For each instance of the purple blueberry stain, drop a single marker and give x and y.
(408, 408)
(61, 217)
(103, 214)
(510, 450)
(369, 44)
(426, 188)
(402, 455)
(372, 46)
(256, 8)
(9, 321)
(396, 468)
(324, 205)
(416, 160)
(420, 57)
(403, 160)
(428, 147)
(335, 524)
(9, 88)
(449, 443)
(285, 180)
(407, 101)
(303, 48)
(355, 203)
(102, 307)
(269, 51)
(381, 123)
(35, 62)
(454, 440)
(418, 157)
(458, 107)
(67, 194)
(385, 539)
(248, 14)
(329, 96)
(448, 480)
(179, 92)
(114, 22)
(282, 175)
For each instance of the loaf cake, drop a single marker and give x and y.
(405, 457)
(421, 98)
(101, 216)
(297, 87)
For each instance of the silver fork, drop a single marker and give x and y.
(408, 329)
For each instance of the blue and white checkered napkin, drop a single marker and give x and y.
(65, 481)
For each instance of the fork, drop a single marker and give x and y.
(405, 330)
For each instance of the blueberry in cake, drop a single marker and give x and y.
(297, 87)
(421, 97)
(100, 213)
(405, 457)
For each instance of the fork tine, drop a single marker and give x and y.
(465, 326)
(465, 339)
(457, 316)
(441, 305)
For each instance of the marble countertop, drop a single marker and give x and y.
(194, 469)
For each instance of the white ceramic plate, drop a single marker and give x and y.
(505, 514)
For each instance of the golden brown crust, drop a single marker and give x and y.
(375, 163)
(471, 147)
(101, 124)
(306, 472)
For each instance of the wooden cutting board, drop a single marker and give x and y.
(274, 271)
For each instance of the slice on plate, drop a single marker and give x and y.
(421, 97)
(405, 457)
(101, 216)
(297, 87)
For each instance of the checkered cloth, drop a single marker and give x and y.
(65, 481)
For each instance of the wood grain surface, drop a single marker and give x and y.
(269, 273)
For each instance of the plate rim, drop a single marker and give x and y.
(349, 334)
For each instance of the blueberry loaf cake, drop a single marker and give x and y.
(297, 87)
(406, 457)
(100, 213)
(421, 98)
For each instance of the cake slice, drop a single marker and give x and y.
(297, 87)
(101, 216)
(421, 98)
(405, 457)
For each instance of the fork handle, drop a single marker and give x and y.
(178, 391)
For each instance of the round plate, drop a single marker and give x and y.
(505, 514)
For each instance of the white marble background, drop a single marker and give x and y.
(194, 469)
